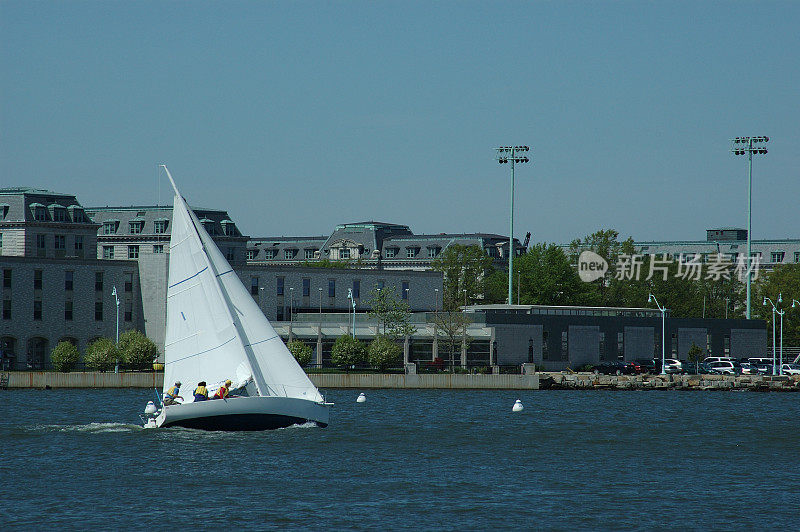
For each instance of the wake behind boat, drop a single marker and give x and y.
(217, 333)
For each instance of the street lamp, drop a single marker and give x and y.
(436, 300)
(116, 297)
(291, 304)
(781, 313)
(408, 298)
(353, 301)
(320, 303)
(465, 298)
(663, 310)
(506, 154)
(749, 146)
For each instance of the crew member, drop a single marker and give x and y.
(200, 393)
(223, 391)
(172, 394)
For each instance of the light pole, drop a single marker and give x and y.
(781, 312)
(465, 298)
(749, 146)
(436, 300)
(663, 310)
(320, 304)
(727, 304)
(408, 298)
(291, 304)
(116, 298)
(506, 154)
(353, 302)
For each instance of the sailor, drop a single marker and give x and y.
(172, 394)
(200, 393)
(223, 391)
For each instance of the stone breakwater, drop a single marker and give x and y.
(590, 381)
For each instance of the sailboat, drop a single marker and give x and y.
(215, 333)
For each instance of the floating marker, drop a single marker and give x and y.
(151, 408)
(361, 398)
(517, 406)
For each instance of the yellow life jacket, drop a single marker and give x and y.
(201, 390)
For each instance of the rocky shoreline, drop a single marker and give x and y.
(590, 381)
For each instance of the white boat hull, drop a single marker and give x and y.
(244, 413)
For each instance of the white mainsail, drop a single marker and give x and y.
(215, 331)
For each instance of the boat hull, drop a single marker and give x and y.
(245, 414)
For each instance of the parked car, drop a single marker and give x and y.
(749, 369)
(724, 367)
(790, 369)
(709, 360)
(615, 367)
(672, 365)
(764, 369)
(645, 365)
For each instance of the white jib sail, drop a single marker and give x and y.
(215, 331)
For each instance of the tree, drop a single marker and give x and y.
(546, 277)
(102, 355)
(383, 352)
(393, 314)
(451, 329)
(348, 351)
(465, 269)
(137, 350)
(301, 351)
(783, 280)
(695, 355)
(64, 357)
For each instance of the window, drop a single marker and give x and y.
(290, 253)
(37, 310)
(208, 225)
(564, 345)
(6, 278)
(230, 228)
(133, 252)
(37, 279)
(6, 309)
(68, 310)
(404, 290)
(4, 211)
(60, 244)
(59, 214)
(109, 228)
(331, 288)
(356, 289)
(279, 314)
(269, 253)
(98, 281)
(310, 253)
(128, 282)
(69, 277)
(411, 253)
(620, 346)
(136, 227)
(1, 243)
(391, 253)
(41, 245)
(40, 214)
(280, 283)
(160, 227)
(797, 256)
(108, 252)
(230, 254)
(98, 311)
(344, 253)
(79, 245)
(306, 287)
(251, 254)
(492, 252)
(777, 256)
(433, 252)
(158, 249)
(128, 310)
(254, 286)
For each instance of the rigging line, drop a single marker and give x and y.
(223, 273)
(229, 340)
(190, 277)
(262, 341)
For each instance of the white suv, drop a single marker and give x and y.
(790, 369)
(723, 367)
(672, 365)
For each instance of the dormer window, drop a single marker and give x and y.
(59, 213)
(160, 227)
(391, 253)
(411, 253)
(251, 254)
(229, 228)
(433, 252)
(110, 227)
(136, 227)
(290, 253)
(39, 212)
(78, 216)
(208, 225)
(269, 253)
(344, 253)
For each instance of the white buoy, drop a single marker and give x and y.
(361, 398)
(517, 406)
(150, 408)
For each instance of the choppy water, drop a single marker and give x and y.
(410, 459)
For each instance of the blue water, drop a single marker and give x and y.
(410, 459)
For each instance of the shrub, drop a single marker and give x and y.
(383, 352)
(348, 351)
(137, 350)
(64, 357)
(302, 352)
(102, 354)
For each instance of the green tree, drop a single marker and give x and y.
(546, 277)
(102, 355)
(64, 357)
(465, 269)
(301, 351)
(348, 351)
(695, 355)
(783, 280)
(384, 352)
(451, 330)
(394, 315)
(138, 351)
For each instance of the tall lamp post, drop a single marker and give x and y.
(353, 303)
(116, 298)
(663, 310)
(320, 304)
(781, 313)
(436, 300)
(748, 146)
(505, 155)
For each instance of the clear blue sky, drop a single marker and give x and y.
(296, 116)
